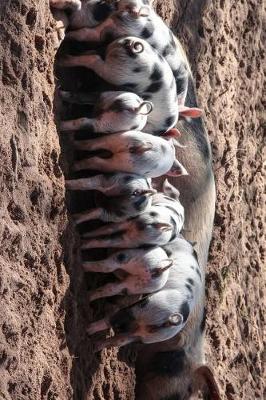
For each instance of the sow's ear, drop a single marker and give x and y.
(189, 112)
(205, 381)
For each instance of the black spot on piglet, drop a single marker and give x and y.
(184, 310)
(154, 87)
(156, 73)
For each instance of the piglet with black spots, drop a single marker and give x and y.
(132, 151)
(157, 226)
(154, 81)
(163, 314)
(113, 112)
(121, 196)
(139, 271)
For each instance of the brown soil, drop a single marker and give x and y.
(44, 351)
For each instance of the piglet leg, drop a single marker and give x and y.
(98, 182)
(98, 326)
(84, 35)
(115, 341)
(108, 290)
(66, 4)
(95, 163)
(118, 242)
(99, 266)
(90, 61)
(108, 229)
(88, 215)
(76, 124)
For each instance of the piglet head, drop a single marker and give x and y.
(177, 169)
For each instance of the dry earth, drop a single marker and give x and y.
(44, 351)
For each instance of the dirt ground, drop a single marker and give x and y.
(44, 350)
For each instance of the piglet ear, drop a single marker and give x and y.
(172, 133)
(177, 169)
(175, 319)
(190, 112)
(206, 382)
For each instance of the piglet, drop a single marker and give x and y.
(113, 112)
(112, 185)
(145, 271)
(118, 208)
(161, 315)
(132, 64)
(157, 226)
(132, 151)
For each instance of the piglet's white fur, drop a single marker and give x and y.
(123, 57)
(145, 271)
(163, 314)
(114, 112)
(132, 151)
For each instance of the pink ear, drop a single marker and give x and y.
(189, 112)
(172, 133)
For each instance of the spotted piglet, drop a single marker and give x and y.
(123, 196)
(131, 151)
(144, 271)
(113, 112)
(132, 64)
(163, 314)
(157, 226)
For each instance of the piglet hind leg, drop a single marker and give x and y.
(84, 35)
(98, 326)
(95, 163)
(118, 242)
(76, 124)
(116, 341)
(88, 215)
(108, 290)
(85, 60)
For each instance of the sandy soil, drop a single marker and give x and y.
(44, 351)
